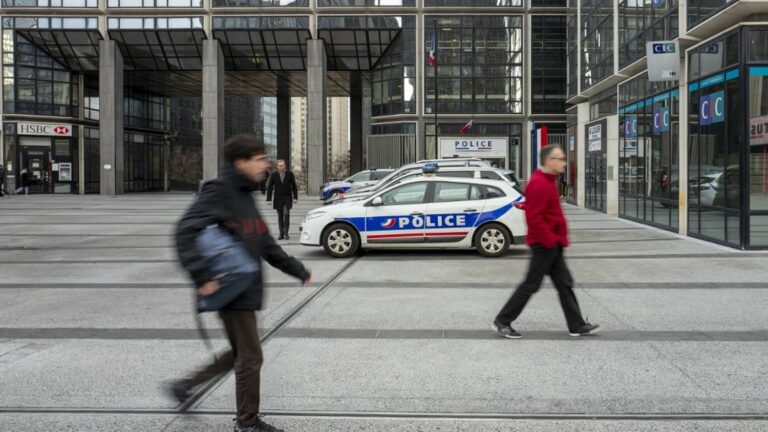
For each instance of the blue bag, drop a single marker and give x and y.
(237, 271)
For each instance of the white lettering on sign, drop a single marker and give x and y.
(45, 129)
(475, 146)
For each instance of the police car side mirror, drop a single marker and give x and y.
(377, 202)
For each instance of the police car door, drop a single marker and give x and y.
(451, 213)
(399, 219)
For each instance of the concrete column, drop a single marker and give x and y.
(284, 129)
(213, 108)
(682, 157)
(356, 134)
(111, 118)
(317, 114)
(581, 153)
(612, 174)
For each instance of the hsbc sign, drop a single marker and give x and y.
(45, 129)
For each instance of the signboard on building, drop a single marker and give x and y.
(630, 126)
(44, 129)
(663, 60)
(712, 108)
(758, 130)
(660, 120)
(595, 134)
(488, 147)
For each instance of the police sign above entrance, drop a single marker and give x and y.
(44, 129)
(481, 147)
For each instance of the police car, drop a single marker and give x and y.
(362, 179)
(425, 212)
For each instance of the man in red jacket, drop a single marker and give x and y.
(547, 237)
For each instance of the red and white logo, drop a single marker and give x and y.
(61, 130)
(389, 223)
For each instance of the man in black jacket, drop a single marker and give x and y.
(283, 183)
(227, 201)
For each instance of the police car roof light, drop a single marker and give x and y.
(430, 168)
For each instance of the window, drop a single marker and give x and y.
(548, 64)
(490, 175)
(456, 174)
(479, 65)
(360, 177)
(596, 42)
(491, 192)
(412, 193)
(450, 192)
(380, 174)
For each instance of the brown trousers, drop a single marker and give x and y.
(246, 358)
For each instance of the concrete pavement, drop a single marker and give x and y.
(95, 314)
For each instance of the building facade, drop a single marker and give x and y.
(115, 96)
(687, 154)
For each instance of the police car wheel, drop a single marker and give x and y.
(492, 240)
(340, 241)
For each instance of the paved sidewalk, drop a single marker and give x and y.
(95, 314)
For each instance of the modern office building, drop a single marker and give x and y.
(690, 154)
(115, 96)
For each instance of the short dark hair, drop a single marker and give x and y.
(243, 146)
(545, 152)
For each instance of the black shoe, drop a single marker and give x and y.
(281, 237)
(261, 426)
(287, 237)
(180, 391)
(505, 330)
(585, 330)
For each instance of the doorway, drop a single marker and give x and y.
(35, 157)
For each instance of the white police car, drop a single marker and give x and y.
(425, 212)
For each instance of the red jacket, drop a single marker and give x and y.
(543, 212)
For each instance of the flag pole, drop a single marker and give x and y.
(434, 49)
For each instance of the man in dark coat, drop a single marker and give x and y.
(228, 202)
(547, 237)
(283, 184)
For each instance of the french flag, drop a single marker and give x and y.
(466, 127)
(432, 60)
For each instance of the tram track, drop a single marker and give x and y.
(200, 395)
(408, 415)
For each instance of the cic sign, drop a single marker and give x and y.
(663, 60)
(44, 129)
(473, 147)
(712, 108)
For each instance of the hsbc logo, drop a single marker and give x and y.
(45, 129)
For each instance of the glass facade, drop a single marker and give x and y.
(595, 165)
(548, 64)
(260, 3)
(155, 3)
(648, 152)
(143, 110)
(473, 3)
(393, 78)
(364, 3)
(572, 170)
(700, 10)
(51, 3)
(144, 162)
(714, 154)
(33, 82)
(641, 21)
(596, 41)
(92, 162)
(479, 65)
(572, 55)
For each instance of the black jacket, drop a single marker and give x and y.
(285, 191)
(227, 201)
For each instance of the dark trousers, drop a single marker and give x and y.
(283, 219)
(545, 262)
(246, 357)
